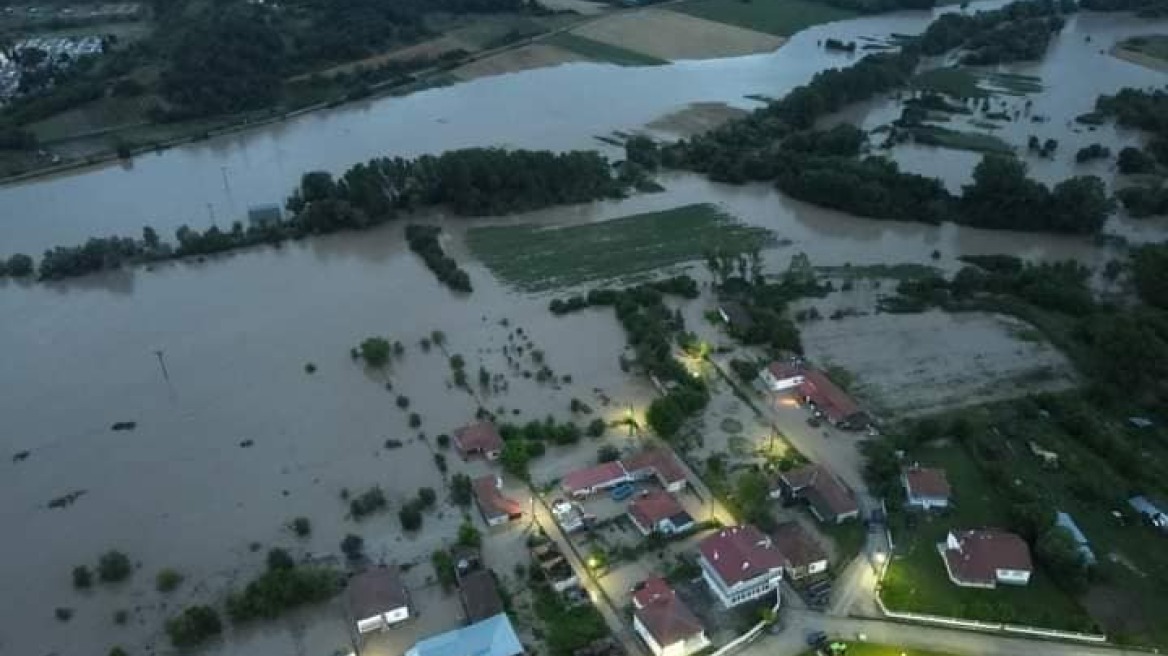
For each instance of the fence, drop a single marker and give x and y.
(991, 626)
(749, 635)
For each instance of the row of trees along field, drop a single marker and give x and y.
(777, 143)
(475, 181)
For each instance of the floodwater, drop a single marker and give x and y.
(236, 332)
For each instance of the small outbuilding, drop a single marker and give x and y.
(925, 488)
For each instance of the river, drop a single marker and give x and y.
(236, 332)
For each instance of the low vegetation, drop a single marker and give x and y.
(600, 51)
(368, 502)
(539, 258)
(114, 567)
(194, 626)
(282, 587)
(168, 580)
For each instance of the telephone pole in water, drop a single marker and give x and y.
(162, 363)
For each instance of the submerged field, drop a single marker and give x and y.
(602, 51)
(540, 258)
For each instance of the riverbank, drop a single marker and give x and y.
(1148, 51)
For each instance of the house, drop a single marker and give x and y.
(1151, 512)
(739, 564)
(802, 554)
(1065, 521)
(496, 508)
(480, 438)
(664, 622)
(826, 397)
(376, 599)
(584, 482)
(479, 596)
(736, 316)
(266, 215)
(554, 566)
(983, 558)
(659, 512)
(493, 636)
(656, 462)
(782, 376)
(926, 487)
(828, 498)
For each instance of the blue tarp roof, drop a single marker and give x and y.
(493, 636)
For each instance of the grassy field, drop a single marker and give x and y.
(601, 51)
(1153, 45)
(539, 258)
(778, 17)
(917, 580)
(948, 138)
(963, 83)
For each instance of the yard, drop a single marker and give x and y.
(541, 258)
(917, 580)
(778, 17)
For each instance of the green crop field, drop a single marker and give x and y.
(1153, 45)
(778, 17)
(963, 83)
(540, 258)
(601, 51)
(947, 138)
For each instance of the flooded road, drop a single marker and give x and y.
(237, 331)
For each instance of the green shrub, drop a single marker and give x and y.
(168, 580)
(82, 577)
(113, 566)
(195, 625)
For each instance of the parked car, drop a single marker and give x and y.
(816, 638)
(622, 491)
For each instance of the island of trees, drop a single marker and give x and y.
(1146, 110)
(470, 182)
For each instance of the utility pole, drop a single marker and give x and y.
(162, 363)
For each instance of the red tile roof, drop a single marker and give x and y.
(375, 591)
(481, 437)
(663, 614)
(981, 553)
(654, 507)
(797, 545)
(583, 480)
(661, 461)
(783, 369)
(829, 398)
(822, 489)
(927, 482)
(740, 553)
(491, 500)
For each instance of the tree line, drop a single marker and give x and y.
(1141, 109)
(777, 143)
(474, 181)
(1143, 8)
(423, 240)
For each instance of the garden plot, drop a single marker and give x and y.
(907, 364)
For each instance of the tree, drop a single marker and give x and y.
(280, 559)
(1080, 205)
(113, 566)
(194, 626)
(752, 497)
(461, 489)
(82, 577)
(514, 458)
(1150, 274)
(168, 580)
(1059, 554)
(19, 266)
(426, 497)
(1133, 161)
(444, 568)
(117, 651)
(301, 527)
(665, 417)
(410, 517)
(469, 536)
(375, 351)
(607, 453)
(352, 546)
(596, 427)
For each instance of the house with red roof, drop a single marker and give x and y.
(827, 398)
(828, 498)
(493, 504)
(802, 554)
(926, 487)
(656, 462)
(983, 558)
(480, 438)
(588, 481)
(740, 564)
(659, 512)
(780, 376)
(664, 622)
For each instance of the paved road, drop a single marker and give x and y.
(798, 623)
(620, 628)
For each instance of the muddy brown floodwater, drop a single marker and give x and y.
(236, 332)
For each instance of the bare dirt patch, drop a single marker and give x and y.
(696, 118)
(426, 50)
(528, 57)
(907, 364)
(671, 35)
